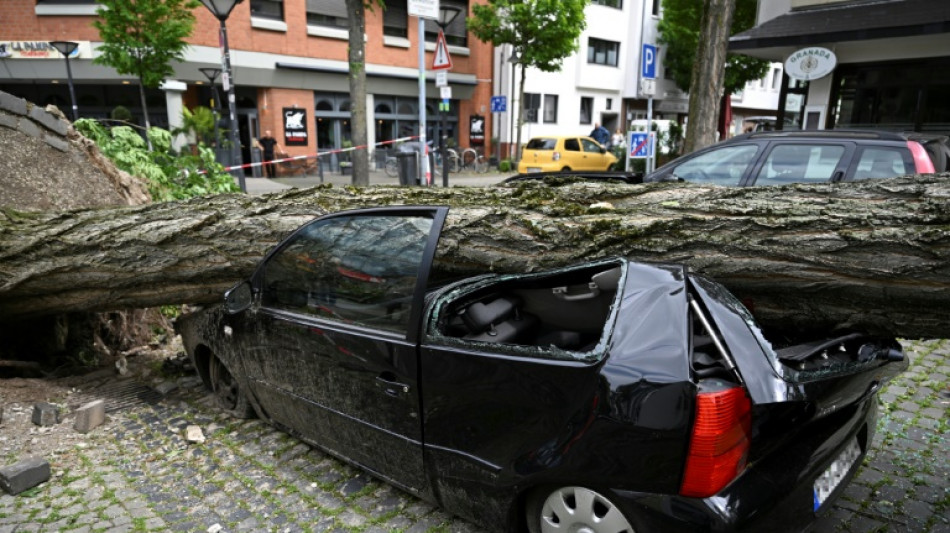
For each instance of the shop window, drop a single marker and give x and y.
(602, 52)
(550, 108)
(345, 105)
(324, 105)
(329, 13)
(396, 19)
(383, 108)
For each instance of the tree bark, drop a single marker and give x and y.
(709, 69)
(356, 22)
(872, 256)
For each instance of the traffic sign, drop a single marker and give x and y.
(499, 104)
(441, 78)
(640, 144)
(441, 58)
(648, 62)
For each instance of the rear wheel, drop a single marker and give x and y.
(574, 509)
(392, 167)
(227, 391)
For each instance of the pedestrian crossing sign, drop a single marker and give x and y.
(441, 59)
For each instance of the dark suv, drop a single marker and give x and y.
(781, 157)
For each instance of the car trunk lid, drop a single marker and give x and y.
(829, 373)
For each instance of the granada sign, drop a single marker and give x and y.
(810, 63)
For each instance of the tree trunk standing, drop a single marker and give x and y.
(148, 125)
(872, 255)
(706, 84)
(356, 22)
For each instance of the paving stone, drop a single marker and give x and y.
(45, 414)
(24, 475)
(89, 416)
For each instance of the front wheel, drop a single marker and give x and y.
(227, 392)
(574, 509)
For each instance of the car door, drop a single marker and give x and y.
(332, 356)
(594, 156)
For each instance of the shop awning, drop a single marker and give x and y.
(862, 20)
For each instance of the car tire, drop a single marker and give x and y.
(574, 509)
(227, 392)
(566, 169)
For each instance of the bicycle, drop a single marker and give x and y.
(474, 161)
(453, 159)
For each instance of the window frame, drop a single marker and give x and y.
(605, 48)
(531, 111)
(589, 100)
(549, 111)
(267, 16)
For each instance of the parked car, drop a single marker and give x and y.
(604, 396)
(549, 154)
(782, 157)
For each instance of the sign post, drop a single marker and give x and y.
(648, 89)
(423, 9)
(441, 63)
(499, 104)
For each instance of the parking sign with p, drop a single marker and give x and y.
(648, 62)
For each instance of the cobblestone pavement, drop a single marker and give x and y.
(137, 473)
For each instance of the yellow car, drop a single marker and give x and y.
(552, 154)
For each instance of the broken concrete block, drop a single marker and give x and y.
(194, 434)
(45, 414)
(24, 475)
(90, 416)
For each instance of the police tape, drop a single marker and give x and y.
(315, 156)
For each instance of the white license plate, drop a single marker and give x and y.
(828, 481)
(534, 169)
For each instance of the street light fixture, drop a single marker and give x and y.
(212, 74)
(221, 9)
(66, 48)
(447, 15)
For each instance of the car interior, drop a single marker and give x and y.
(567, 310)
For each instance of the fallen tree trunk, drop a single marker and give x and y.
(873, 256)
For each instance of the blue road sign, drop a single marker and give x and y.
(648, 62)
(499, 104)
(640, 145)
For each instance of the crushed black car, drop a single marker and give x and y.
(607, 396)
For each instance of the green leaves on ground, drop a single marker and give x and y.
(170, 176)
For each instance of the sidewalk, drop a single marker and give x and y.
(376, 177)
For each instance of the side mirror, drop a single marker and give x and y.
(238, 298)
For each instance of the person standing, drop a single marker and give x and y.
(600, 134)
(269, 144)
(617, 140)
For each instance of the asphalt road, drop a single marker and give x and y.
(138, 473)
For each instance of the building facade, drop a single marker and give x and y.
(601, 82)
(289, 62)
(892, 67)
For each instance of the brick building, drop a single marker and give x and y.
(286, 55)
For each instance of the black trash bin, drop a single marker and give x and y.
(408, 167)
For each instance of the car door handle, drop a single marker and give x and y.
(387, 382)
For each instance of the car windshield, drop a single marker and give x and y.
(541, 144)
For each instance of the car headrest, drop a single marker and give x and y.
(480, 316)
(607, 280)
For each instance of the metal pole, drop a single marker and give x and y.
(424, 160)
(232, 108)
(442, 148)
(72, 91)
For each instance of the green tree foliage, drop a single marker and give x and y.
(541, 32)
(142, 38)
(169, 176)
(679, 35)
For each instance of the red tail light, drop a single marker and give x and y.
(556, 156)
(921, 159)
(719, 446)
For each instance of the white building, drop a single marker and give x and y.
(601, 82)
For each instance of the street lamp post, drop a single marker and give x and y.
(66, 48)
(212, 74)
(447, 15)
(221, 9)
